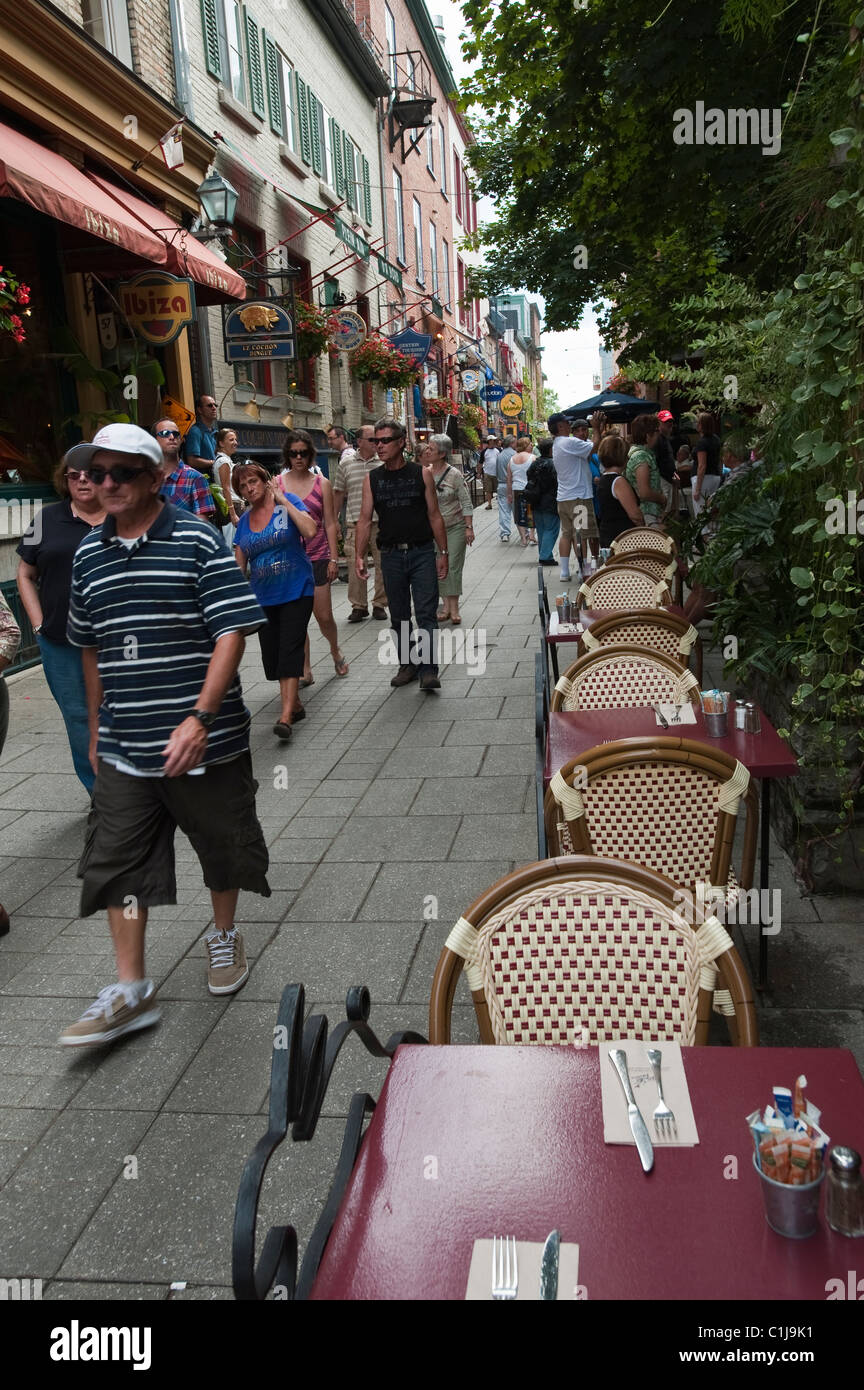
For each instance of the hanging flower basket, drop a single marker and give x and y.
(314, 328)
(439, 407)
(13, 295)
(472, 416)
(624, 385)
(377, 360)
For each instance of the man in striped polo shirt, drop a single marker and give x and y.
(161, 611)
(348, 482)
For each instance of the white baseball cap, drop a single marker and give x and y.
(120, 439)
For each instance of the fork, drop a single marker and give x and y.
(664, 1121)
(676, 718)
(505, 1277)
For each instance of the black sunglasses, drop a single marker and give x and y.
(299, 453)
(387, 438)
(119, 474)
(168, 434)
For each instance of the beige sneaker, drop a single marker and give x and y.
(113, 1013)
(228, 969)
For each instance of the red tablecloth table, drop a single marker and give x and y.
(586, 617)
(514, 1136)
(572, 732)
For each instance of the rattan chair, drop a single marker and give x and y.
(587, 951)
(643, 538)
(646, 627)
(654, 561)
(623, 587)
(624, 677)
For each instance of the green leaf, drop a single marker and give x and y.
(801, 578)
(803, 282)
(819, 610)
(844, 136)
(834, 386)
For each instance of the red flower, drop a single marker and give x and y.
(18, 335)
(15, 321)
(22, 294)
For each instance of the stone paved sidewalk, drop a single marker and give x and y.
(388, 813)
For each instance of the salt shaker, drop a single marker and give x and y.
(844, 1193)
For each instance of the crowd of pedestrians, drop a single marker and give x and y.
(149, 556)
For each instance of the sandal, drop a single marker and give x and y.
(304, 681)
(456, 621)
(341, 666)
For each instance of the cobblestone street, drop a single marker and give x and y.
(388, 813)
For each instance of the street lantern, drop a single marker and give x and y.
(218, 202)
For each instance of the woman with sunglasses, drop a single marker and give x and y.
(226, 448)
(315, 492)
(44, 582)
(268, 547)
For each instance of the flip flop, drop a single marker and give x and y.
(456, 622)
(341, 666)
(303, 682)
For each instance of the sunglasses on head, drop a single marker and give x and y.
(168, 434)
(119, 474)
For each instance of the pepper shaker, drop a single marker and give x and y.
(844, 1193)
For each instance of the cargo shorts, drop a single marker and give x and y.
(129, 847)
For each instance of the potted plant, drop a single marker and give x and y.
(439, 407)
(314, 328)
(377, 360)
(13, 295)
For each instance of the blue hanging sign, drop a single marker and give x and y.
(413, 344)
(494, 392)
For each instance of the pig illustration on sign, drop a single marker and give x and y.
(257, 316)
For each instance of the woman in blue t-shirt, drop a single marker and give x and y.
(268, 547)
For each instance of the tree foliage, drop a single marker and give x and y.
(575, 145)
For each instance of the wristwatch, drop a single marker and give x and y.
(443, 552)
(204, 717)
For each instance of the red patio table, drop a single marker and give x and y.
(572, 732)
(586, 617)
(516, 1135)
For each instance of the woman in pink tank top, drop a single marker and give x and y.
(315, 492)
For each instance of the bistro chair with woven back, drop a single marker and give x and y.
(585, 951)
(623, 587)
(624, 677)
(643, 538)
(646, 627)
(654, 561)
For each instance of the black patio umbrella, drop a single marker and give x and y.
(616, 407)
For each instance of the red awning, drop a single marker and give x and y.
(48, 182)
(216, 281)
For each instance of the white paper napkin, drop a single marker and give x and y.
(558, 627)
(528, 1257)
(685, 715)
(616, 1125)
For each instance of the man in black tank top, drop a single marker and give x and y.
(403, 496)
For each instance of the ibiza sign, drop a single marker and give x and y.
(157, 306)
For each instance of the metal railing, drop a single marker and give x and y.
(28, 652)
(367, 35)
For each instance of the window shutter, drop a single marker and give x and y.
(316, 132)
(274, 94)
(367, 189)
(338, 166)
(303, 120)
(256, 74)
(350, 188)
(210, 26)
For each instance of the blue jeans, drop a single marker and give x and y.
(547, 525)
(411, 574)
(65, 676)
(503, 511)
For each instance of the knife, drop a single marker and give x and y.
(637, 1124)
(549, 1267)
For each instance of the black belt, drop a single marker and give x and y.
(411, 545)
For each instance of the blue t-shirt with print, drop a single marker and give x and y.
(279, 568)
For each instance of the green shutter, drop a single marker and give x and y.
(350, 191)
(367, 189)
(303, 120)
(274, 94)
(256, 75)
(210, 25)
(336, 144)
(315, 119)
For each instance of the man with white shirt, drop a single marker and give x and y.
(571, 458)
(490, 470)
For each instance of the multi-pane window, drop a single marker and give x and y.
(390, 31)
(231, 34)
(107, 22)
(418, 242)
(433, 257)
(457, 184)
(430, 148)
(460, 288)
(288, 95)
(445, 273)
(442, 146)
(400, 217)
